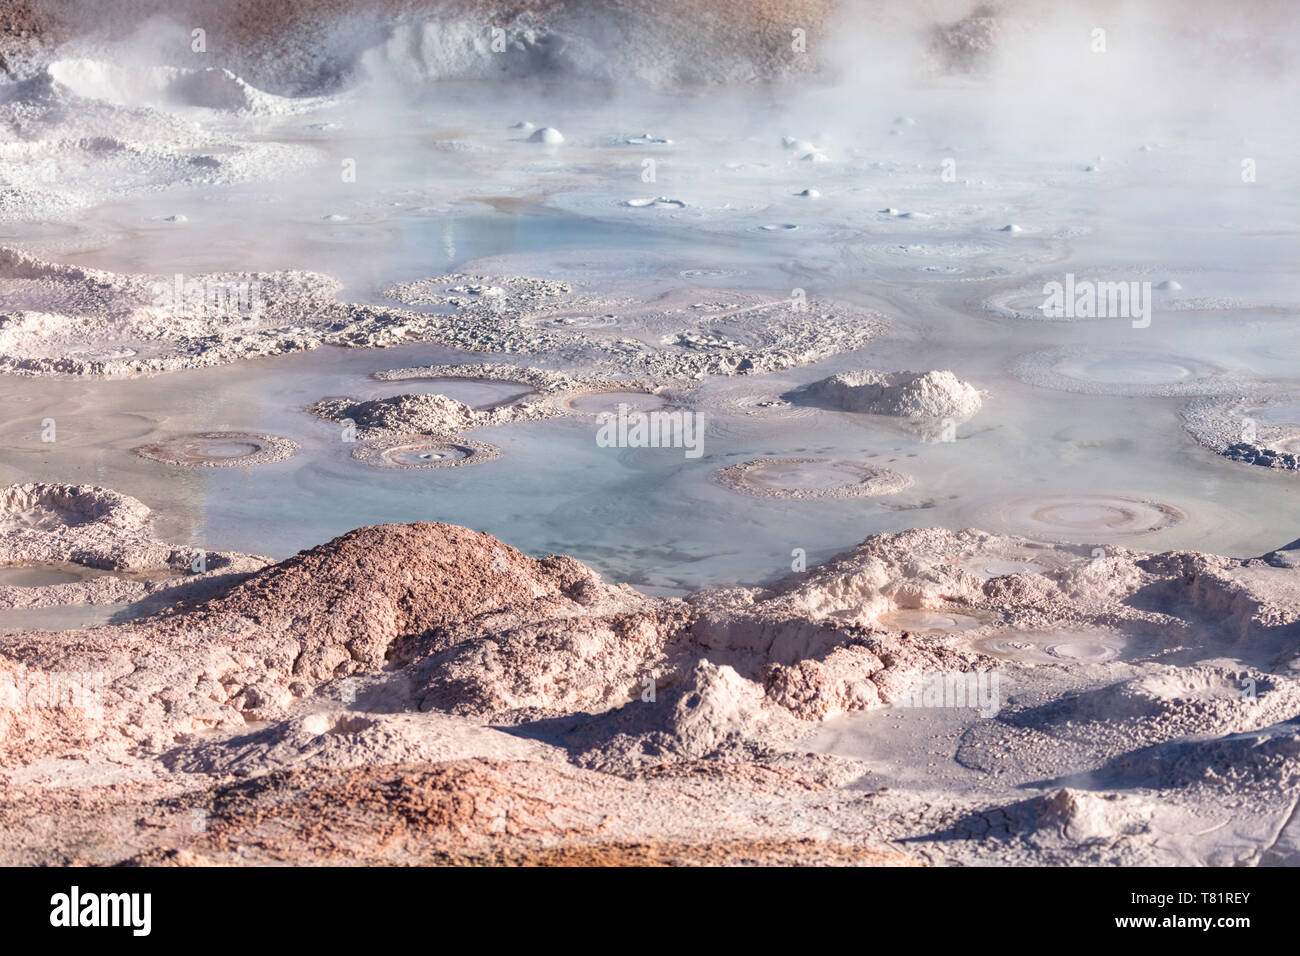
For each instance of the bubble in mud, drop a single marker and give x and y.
(811, 478)
(548, 135)
(220, 450)
(1011, 227)
(524, 125)
(1017, 650)
(1083, 649)
(1169, 285)
(1065, 647)
(1078, 518)
(425, 453)
(779, 227)
(809, 194)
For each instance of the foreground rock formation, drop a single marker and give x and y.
(417, 693)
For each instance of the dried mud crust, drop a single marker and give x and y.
(1227, 427)
(778, 477)
(680, 335)
(396, 428)
(93, 322)
(220, 450)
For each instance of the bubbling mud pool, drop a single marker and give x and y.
(649, 516)
(516, 257)
(1079, 439)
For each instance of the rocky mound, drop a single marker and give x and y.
(401, 415)
(379, 657)
(916, 395)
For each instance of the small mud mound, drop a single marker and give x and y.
(480, 394)
(66, 545)
(1188, 700)
(1064, 820)
(811, 478)
(1110, 733)
(220, 450)
(400, 415)
(424, 453)
(49, 507)
(1265, 760)
(902, 394)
